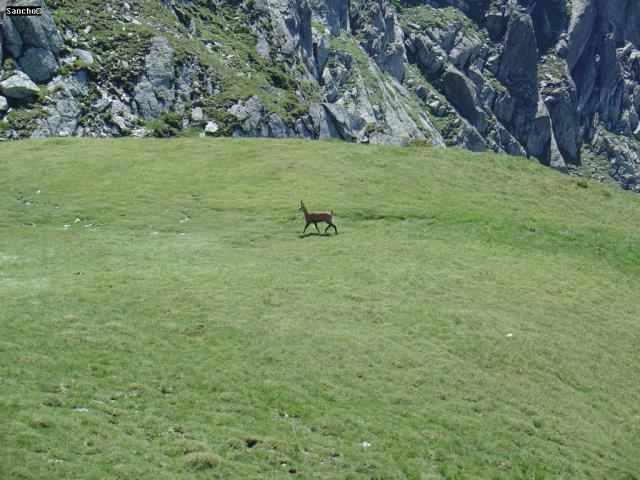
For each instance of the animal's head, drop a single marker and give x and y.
(301, 207)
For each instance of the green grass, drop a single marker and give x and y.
(180, 327)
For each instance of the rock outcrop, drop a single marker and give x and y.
(554, 80)
(19, 87)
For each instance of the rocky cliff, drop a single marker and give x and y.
(551, 79)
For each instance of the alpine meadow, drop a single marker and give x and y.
(163, 317)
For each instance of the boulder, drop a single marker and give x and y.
(4, 106)
(19, 87)
(146, 100)
(429, 56)
(350, 125)
(197, 115)
(519, 59)
(321, 123)
(83, 55)
(211, 128)
(39, 31)
(461, 92)
(63, 122)
(274, 127)
(153, 93)
(249, 114)
(159, 64)
(12, 40)
(101, 104)
(38, 63)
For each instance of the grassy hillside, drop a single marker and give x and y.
(162, 317)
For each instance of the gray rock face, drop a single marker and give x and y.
(63, 122)
(334, 14)
(83, 55)
(4, 106)
(12, 39)
(519, 59)
(159, 64)
(274, 127)
(20, 87)
(583, 17)
(289, 30)
(321, 125)
(382, 38)
(514, 76)
(249, 115)
(39, 31)
(429, 56)
(153, 93)
(321, 44)
(38, 63)
(197, 115)
(350, 126)
(461, 92)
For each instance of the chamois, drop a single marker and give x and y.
(315, 217)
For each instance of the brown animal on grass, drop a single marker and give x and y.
(315, 217)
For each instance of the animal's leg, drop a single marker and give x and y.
(316, 224)
(305, 228)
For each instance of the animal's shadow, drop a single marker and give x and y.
(314, 234)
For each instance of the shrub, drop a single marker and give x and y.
(202, 460)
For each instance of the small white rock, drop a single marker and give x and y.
(81, 410)
(509, 335)
(365, 443)
(211, 128)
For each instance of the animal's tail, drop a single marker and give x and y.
(331, 212)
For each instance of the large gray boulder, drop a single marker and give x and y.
(322, 124)
(159, 64)
(274, 127)
(19, 87)
(249, 116)
(38, 63)
(12, 40)
(154, 93)
(519, 59)
(350, 125)
(39, 31)
(146, 100)
(461, 92)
